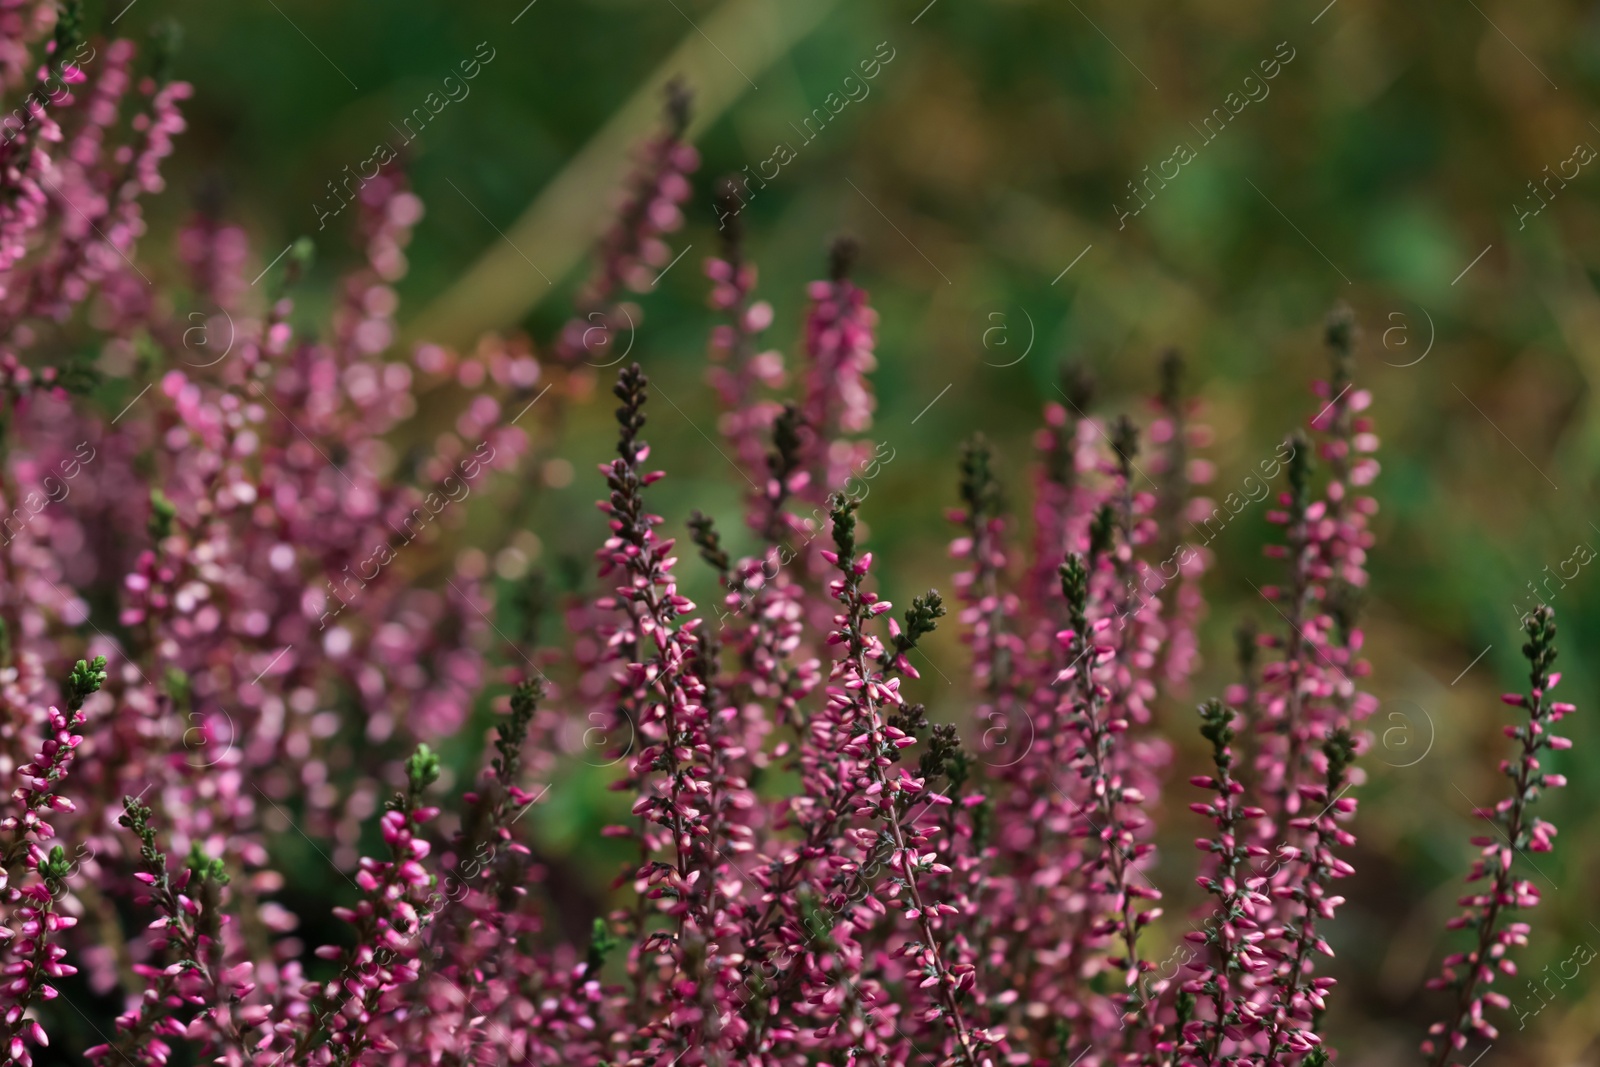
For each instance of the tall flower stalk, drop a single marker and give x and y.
(1232, 937)
(863, 688)
(1467, 975)
(33, 959)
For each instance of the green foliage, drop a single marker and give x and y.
(1216, 726)
(85, 680)
(602, 942)
(55, 867)
(163, 513)
(422, 769)
(205, 868)
(921, 619)
(980, 489)
(705, 535)
(69, 27)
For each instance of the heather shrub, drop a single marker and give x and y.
(232, 640)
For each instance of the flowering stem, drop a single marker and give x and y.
(50, 766)
(181, 932)
(1295, 986)
(1294, 657)
(1232, 934)
(383, 922)
(1484, 909)
(37, 959)
(860, 606)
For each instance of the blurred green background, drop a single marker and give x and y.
(1386, 167)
